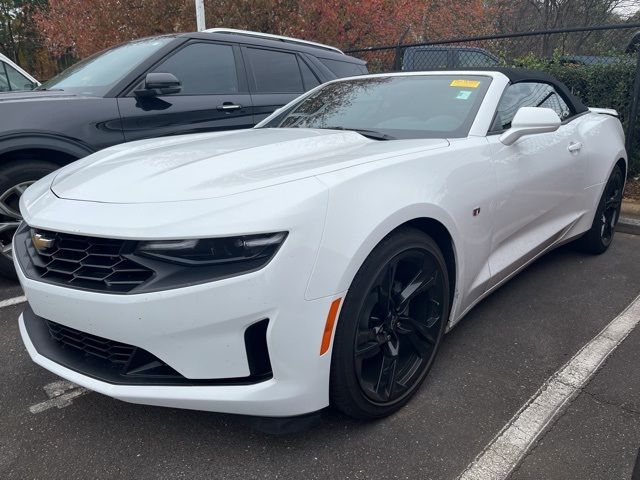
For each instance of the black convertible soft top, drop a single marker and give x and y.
(518, 75)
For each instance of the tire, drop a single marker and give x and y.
(378, 363)
(599, 237)
(15, 177)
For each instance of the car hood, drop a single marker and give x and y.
(195, 167)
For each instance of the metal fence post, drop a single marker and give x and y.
(397, 60)
(633, 110)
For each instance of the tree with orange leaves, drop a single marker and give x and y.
(86, 26)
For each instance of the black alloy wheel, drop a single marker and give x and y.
(598, 239)
(390, 326)
(612, 204)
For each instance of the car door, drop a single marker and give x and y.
(214, 95)
(539, 180)
(275, 78)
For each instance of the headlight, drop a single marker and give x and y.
(215, 251)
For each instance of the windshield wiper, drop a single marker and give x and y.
(375, 135)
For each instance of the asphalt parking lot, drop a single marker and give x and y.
(488, 368)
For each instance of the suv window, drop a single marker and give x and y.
(528, 94)
(425, 58)
(17, 80)
(474, 58)
(343, 69)
(98, 73)
(274, 72)
(203, 69)
(4, 82)
(310, 79)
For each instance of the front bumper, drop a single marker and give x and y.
(198, 331)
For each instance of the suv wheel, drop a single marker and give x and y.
(15, 178)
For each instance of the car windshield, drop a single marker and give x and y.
(394, 107)
(98, 73)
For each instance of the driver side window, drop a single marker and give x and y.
(527, 94)
(203, 69)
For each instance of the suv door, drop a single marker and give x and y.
(539, 180)
(275, 78)
(214, 95)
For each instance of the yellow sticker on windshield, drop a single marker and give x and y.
(465, 83)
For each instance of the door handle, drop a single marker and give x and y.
(574, 146)
(228, 107)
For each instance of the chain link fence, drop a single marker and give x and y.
(600, 65)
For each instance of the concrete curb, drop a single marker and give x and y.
(630, 209)
(629, 221)
(628, 225)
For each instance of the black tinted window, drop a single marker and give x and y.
(275, 72)
(528, 94)
(425, 59)
(310, 80)
(343, 69)
(475, 58)
(203, 69)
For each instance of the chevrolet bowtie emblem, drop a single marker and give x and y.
(41, 242)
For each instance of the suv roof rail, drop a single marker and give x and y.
(270, 36)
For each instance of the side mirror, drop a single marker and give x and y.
(159, 83)
(529, 121)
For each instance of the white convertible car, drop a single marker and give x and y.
(318, 258)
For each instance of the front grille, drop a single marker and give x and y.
(118, 354)
(108, 358)
(90, 263)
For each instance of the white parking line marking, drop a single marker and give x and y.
(510, 446)
(60, 393)
(12, 301)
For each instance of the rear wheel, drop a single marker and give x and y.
(15, 178)
(390, 326)
(600, 236)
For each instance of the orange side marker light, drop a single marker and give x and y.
(328, 327)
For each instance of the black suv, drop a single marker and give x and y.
(219, 79)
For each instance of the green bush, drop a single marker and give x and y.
(605, 86)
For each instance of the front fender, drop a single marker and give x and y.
(16, 141)
(369, 201)
(346, 246)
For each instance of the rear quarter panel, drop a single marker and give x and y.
(603, 142)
